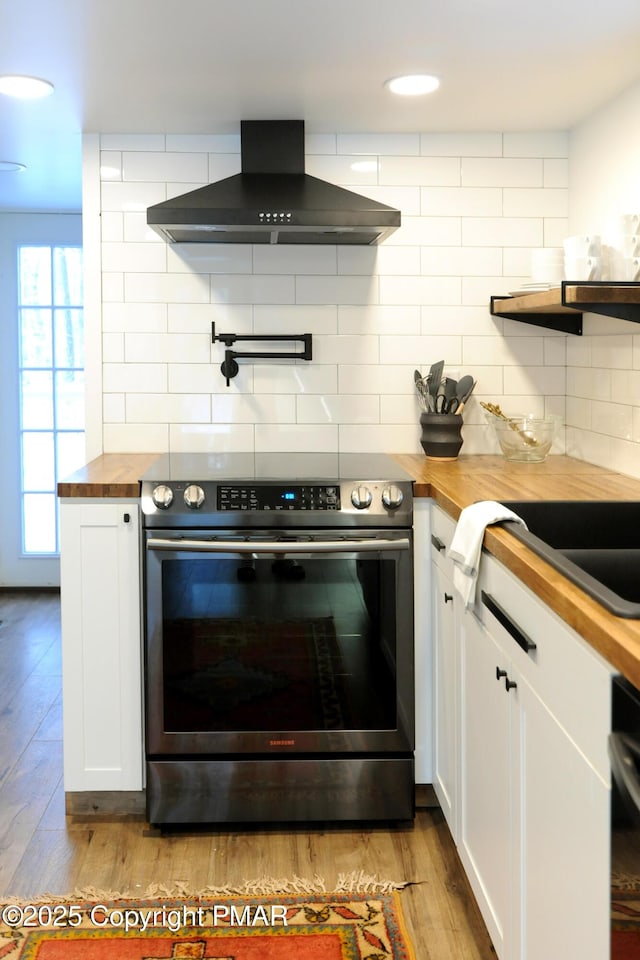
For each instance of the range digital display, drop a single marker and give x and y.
(261, 497)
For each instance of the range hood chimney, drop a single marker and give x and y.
(273, 200)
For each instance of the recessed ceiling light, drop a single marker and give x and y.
(10, 166)
(413, 85)
(25, 88)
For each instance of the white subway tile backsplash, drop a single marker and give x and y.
(203, 143)
(323, 408)
(421, 350)
(136, 437)
(168, 408)
(131, 197)
(223, 165)
(461, 144)
(395, 319)
(460, 320)
(111, 227)
(346, 349)
(295, 319)
(245, 288)
(502, 231)
(501, 172)
(113, 347)
(295, 260)
(129, 317)
(296, 378)
(427, 231)
(419, 290)
(524, 202)
(295, 438)
(556, 173)
(460, 201)
(211, 438)
(461, 261)
(253, 408)
(198, 378)
(133, 141)
(430, 171)
(382, 379)
(134, 257)
(314, 290)
(550, 144)
(381, 438)
(209, 258)
(165, 166)
(134, 378)
(166, 287)
(166, 348)
(384, 144)
(473, 207)
(354, 171)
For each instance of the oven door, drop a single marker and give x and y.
(266, 644)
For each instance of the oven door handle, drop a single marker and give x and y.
(184, 545)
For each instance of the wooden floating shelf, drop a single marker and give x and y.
(562, 307)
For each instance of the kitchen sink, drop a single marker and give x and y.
(594, 543)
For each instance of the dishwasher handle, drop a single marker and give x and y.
(624, 753)
(253, 547)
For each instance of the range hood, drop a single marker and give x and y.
(273, 200)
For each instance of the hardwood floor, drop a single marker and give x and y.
(42, 850)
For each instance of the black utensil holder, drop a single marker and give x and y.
(441, 436)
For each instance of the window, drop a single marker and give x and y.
(51, 378)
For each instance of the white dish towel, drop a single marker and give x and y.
(466, 546)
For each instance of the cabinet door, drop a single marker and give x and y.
(485, 785)
(564, 845)
(101, 645)
(445, 699)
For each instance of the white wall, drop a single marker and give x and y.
(473, 207)
(603, 366)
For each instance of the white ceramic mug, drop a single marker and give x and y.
(583, 268)
(627, 224)
(632, 269)
(580, 247)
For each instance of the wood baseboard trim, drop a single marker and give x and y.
(105, 805)
(112, 805)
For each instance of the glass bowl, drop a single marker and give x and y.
(524, 438)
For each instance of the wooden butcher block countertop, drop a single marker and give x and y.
(453, 486)
(456, 484)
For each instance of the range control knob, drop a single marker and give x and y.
(162, 496)
(392, 496)
(361, 497)
(194, 496)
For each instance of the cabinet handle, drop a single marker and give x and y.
(509, 684)
(448, 597)
(500, 673)
(503, 618)
(437, 543)
(127, 518)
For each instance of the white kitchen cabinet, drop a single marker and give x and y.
(445, 626)
(486, 830)
(101, 639)
(534, 780)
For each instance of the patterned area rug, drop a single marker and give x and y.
(336, 926)
(237, 670)
(625, 921)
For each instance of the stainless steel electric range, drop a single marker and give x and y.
(279, 680)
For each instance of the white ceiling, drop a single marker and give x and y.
(200, 66)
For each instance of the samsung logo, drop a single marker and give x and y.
(282, 743)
